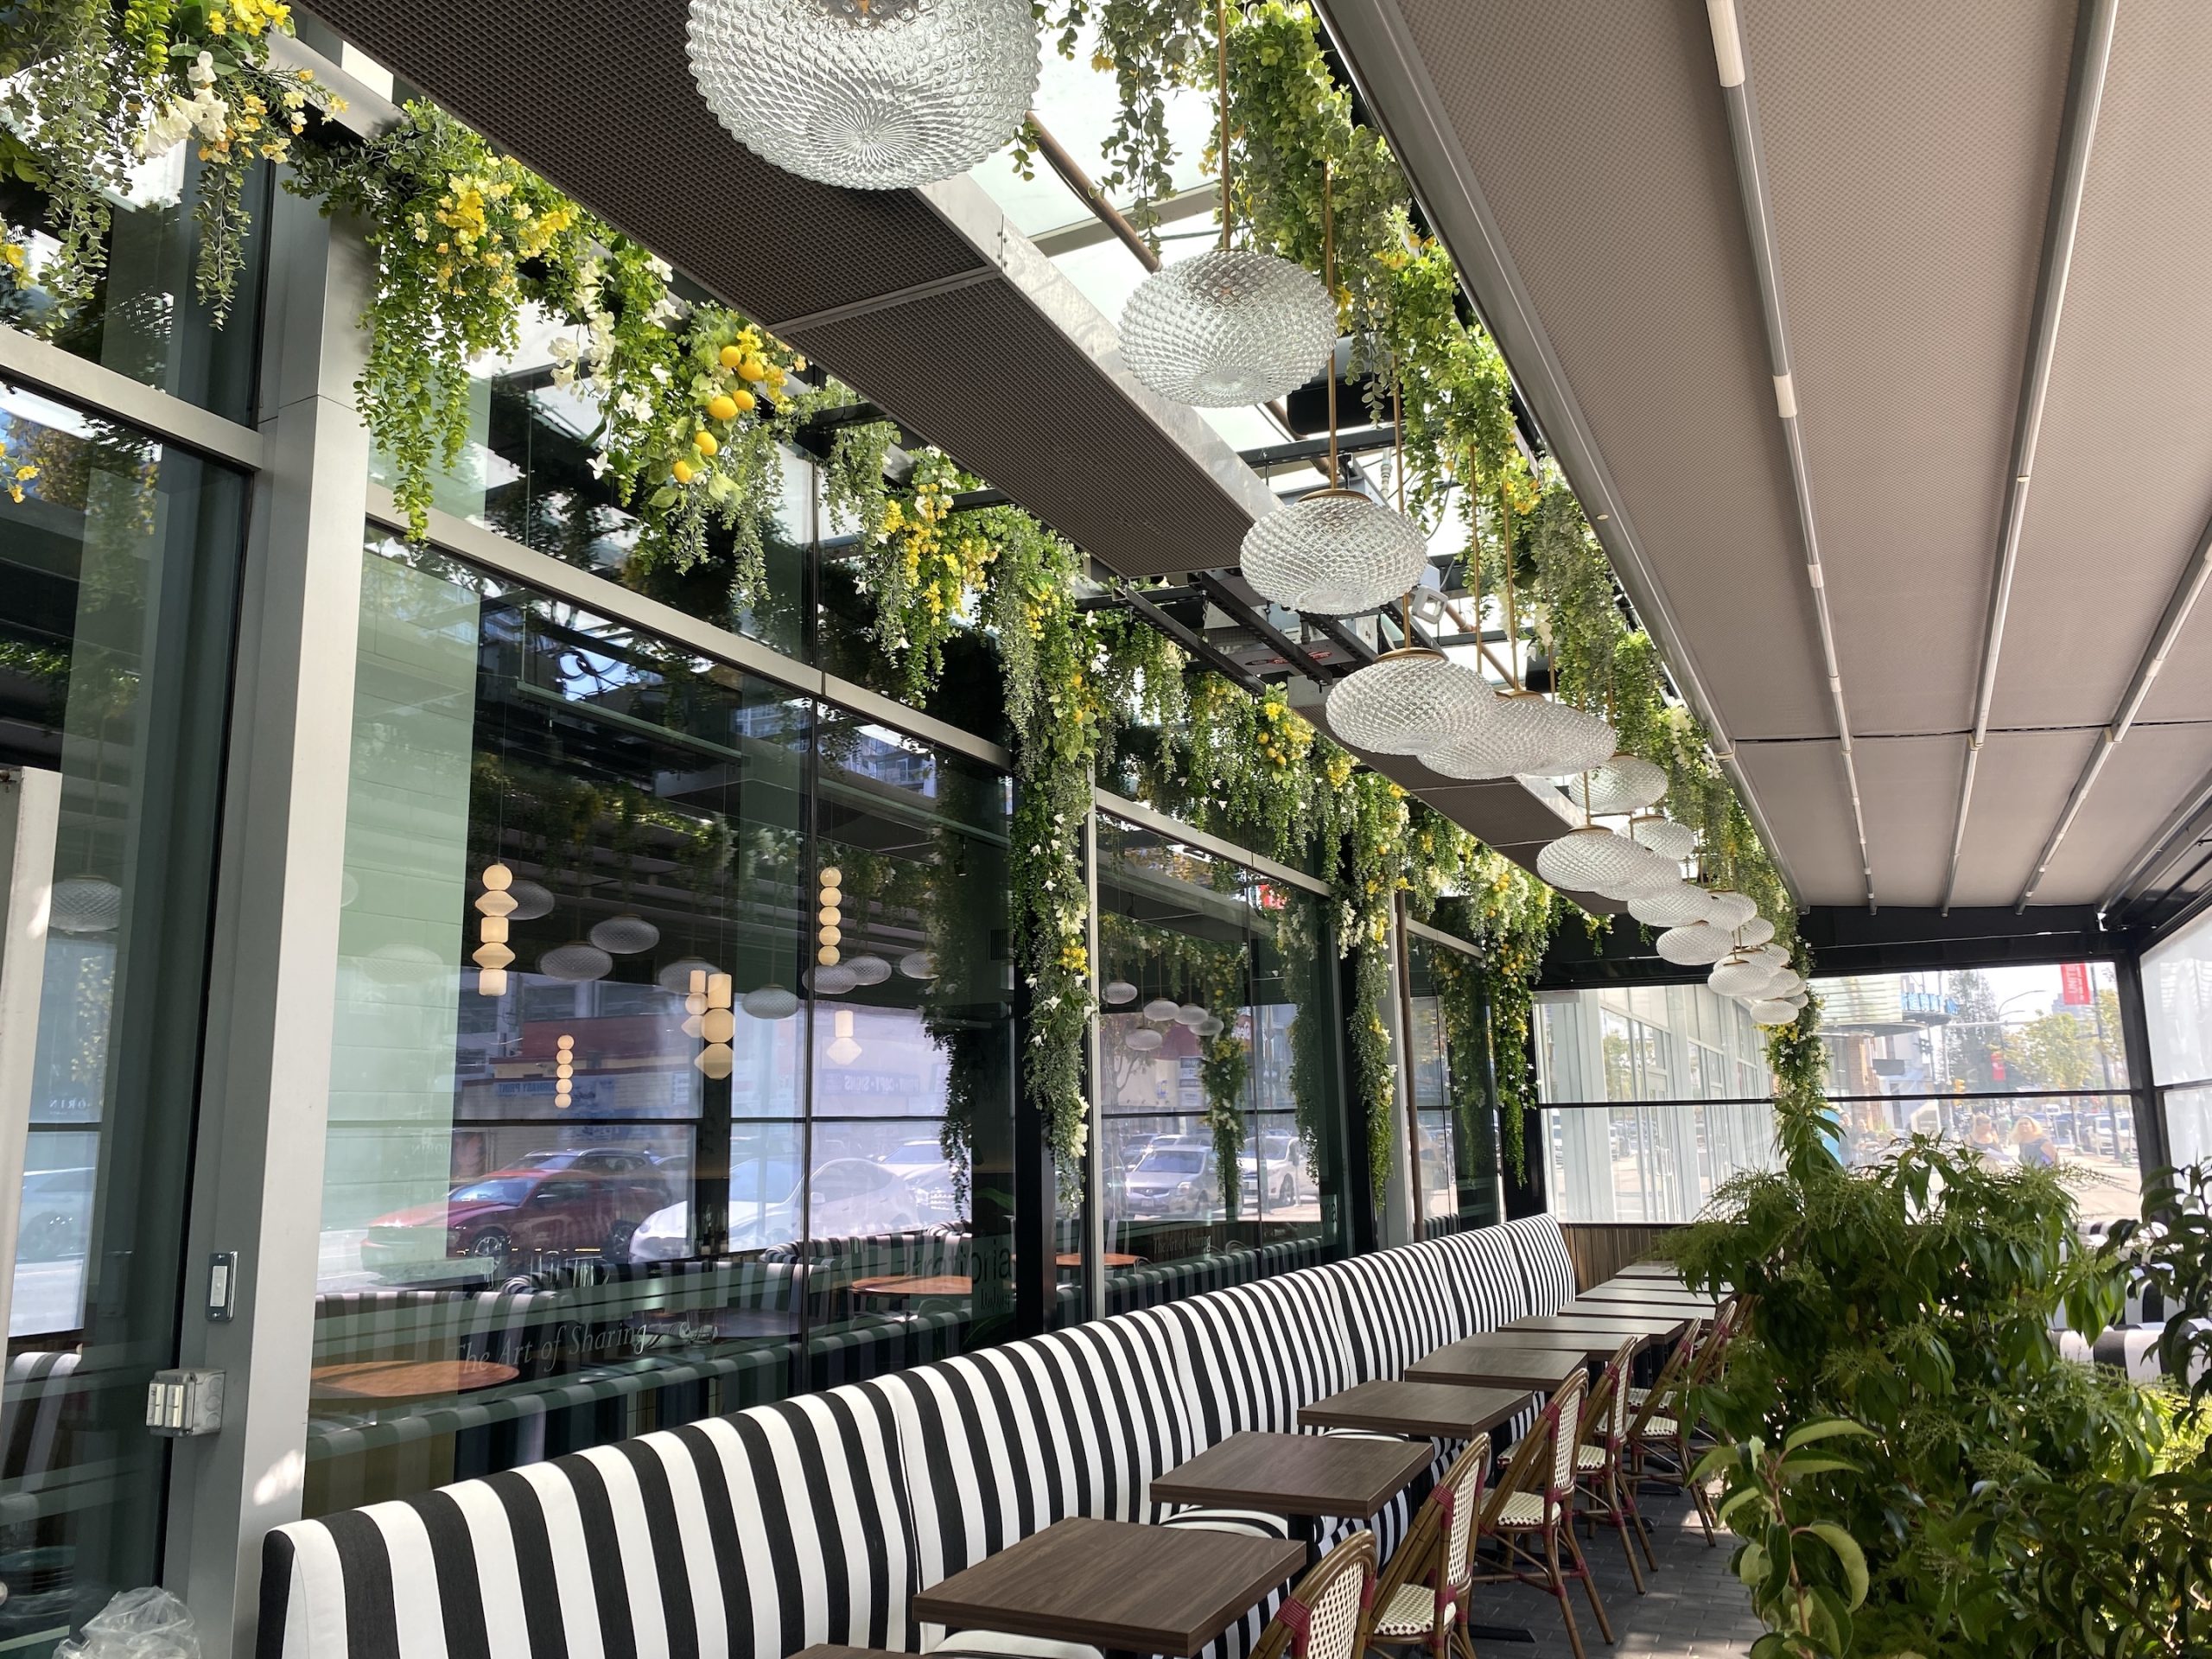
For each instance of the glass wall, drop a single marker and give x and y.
(2025, 1063)
(1455, 1115)
(674, 1034)
(118, 566)
(2178, 1008)
(1219, 1121)
(1661, 1094)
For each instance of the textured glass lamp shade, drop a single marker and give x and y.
(1663, 836)
(1776, 956)
(531, 901)
(676, 978)
(1674, 906)
(1590, 860)
(870, 94)
(1334, 553)
(832, 979)
(1517, 739)
(1798, 1002)
(1119, 991)
(625, 934)
(1626, 783)
(1786, 984)
(1693, 945)
(1209, 1027)
(86, 904)
(1738, 976)
(1143, 1040)
(1649, 873)
(868, 969)
(1160, 1008)
(1192, 1014)
(1730, 909)
(1768, 1012)
(1411, 702)
(576, 962)
(1755, 932)
(922, 964)
(1228, 329)
(770, 1002)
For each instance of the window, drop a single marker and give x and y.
(117, 578)
(1455, 1115)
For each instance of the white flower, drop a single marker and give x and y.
(665, 310)
(599, 464)
(169, 128)
(202, 70)
(563, 374)
(660, 267)
(564, 348)
(659, 372)
(634, 404)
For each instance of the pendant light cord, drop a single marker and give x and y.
(1221, 89)
(1512, 616)
(1398, 477)
(1329, 282)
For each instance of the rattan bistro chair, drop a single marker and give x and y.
(1421, 1598)
(1324, 1616)
(1601, 1461)
(1532, 1506)
(1659, 1432)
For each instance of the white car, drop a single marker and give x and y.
(923, 1165)
(848, 1198)
(1281, 1162)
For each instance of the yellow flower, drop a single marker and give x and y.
(11, 255)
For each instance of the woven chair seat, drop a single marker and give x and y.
(1410, 1613)
(1589, 1458)
(1660, 1428)
(1519, 1510)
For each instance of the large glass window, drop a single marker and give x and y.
(1455, 1116)
(119, 569)
(1660, 1094)
(1219, 1122)
(674, 1042)
(2178, 1008)
(2024, 1064)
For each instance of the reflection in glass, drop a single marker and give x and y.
(673, 1019)
(1456, 1154)
(118, 571)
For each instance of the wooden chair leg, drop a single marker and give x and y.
(1699, 1497)
(1559, 1589)
(1620, 1515)
(1590, 1586)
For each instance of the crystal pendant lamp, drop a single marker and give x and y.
(1663, 836)
(1739, 974)
(870, 94)
(1333, 553)
(1693, 944)
(1731, 909)
(1768, 1012)
(1672, 906)
(1233, 326)
(1575, 741)
(1755, 932)
(1411, 700)
(1626, 783)
(1590, 860)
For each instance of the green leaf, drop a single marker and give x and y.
(1791, 1468)
(1826, 1430)
(1847, 1552)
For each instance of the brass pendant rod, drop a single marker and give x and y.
(1329, 282)
(1221, 88)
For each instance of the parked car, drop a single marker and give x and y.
(517, 1212)
(601, 1161)
(923, 1165)
(1175, 1181)
(849, 1198)
(55, 1221)
(1278, 1163)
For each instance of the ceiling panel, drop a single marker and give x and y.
(2020, 788)
(2146, 778)
(1801, 786)
(1597, 135)
(1910, 788)
(2123, 479)
(1909, 287)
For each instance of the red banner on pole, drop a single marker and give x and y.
(2074, 984)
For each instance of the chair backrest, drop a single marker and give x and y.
(1458, 1498)
(1727, 1320)
(1562, 1421)
(1661, 1400)
(1606, 1412)
(1325, 1616)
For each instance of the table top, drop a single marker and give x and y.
(1649, 1271)
(914, 1284)
(1109, 1259)
(831, 1651)
(1443, 1411)
(1649, 1290)
(1116, 1584)
(1479, 1362)
(1295, 1474)
(405, 1379)
(1609, 1307)
(1621, 1325)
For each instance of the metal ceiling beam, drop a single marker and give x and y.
(2084, 98)
(1379, 52)
(1758, 222)
(2163, 851)
(1254, 620)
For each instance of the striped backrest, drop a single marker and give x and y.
(1489, 1276)
(1546, 1268)
(37, 1394)
(1254, 1354)
(1399, 1306)
(744, 1537)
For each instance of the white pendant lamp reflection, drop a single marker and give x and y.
(1768, 1012)
(1411, 700)
(1590, 860)
(1776, 956)
(1626, 783)
(1798, 1001)
(625, 934)
(676, 978)
(1663, 836)
(1143, 1040)
(1160, 1009)
(1693, 944)
(868, 94)
(1232, 327)
(831, 979)
(868, 969)
(1209, 1027)
(770, 1002)
(922, 964)
(1190, 1013)
(86, 904)
(532, 899)
(1118, 991)
(576, 962)
(1738, 974)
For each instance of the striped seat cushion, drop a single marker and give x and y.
(1399, 1306)
(744, 1537)
(1546, 1270)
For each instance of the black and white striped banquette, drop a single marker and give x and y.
(817, 1519)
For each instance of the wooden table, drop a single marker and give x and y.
(1629, 1307)
(1651, 1291)
(1441, 1411)
(1116, 1584)
(1301, 1476)
(914, 1284)
(1110, 1259)
(1616, 1326)
(405, 1379)
(1476, 1362)
(1649, 1271)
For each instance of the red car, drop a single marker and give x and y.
(526, 1213)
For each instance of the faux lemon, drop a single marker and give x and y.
(682, 470)
(723, 407)
(752, 369)
(732, 357)
(705, 444)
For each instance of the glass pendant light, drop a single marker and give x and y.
(1693, 945)
(1190, 1013)
(625, 934)
(770, 1002)
(868, 94)
(1333, 552)
(532, 899)
(1625, 782)
(1590, 860)
(1160, 1009)
(1738, 974)
(1118, 991)
(1731, 909)
(84, 904)
(1755, 932)
(868, 969)
(676, 978)
(1143, 1040)
(1664, 836)
(1233, 326)
(921, 964)
(1671, 906)
(1528, 735)
(1769, 1012)
(831, 979)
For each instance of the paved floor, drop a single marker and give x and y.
(1695, 1608)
